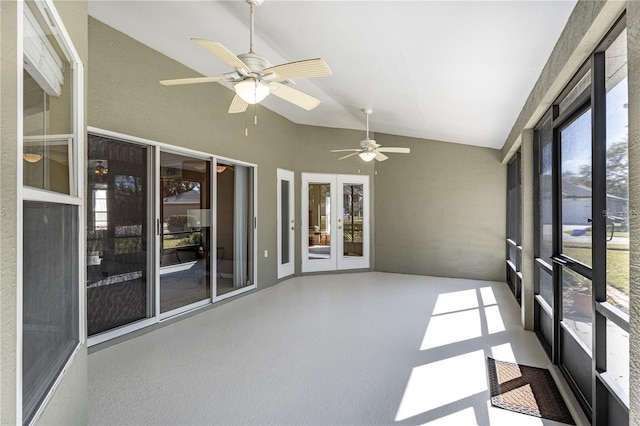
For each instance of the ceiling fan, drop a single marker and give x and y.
(254, 78)
(369, 149)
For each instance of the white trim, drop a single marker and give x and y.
(183, 309)
(36, 194)
(288, 268)
(55, 385)
(120, 331)
(76, 183)
(234, 293)
(164, 146)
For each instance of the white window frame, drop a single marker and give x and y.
(76, 196)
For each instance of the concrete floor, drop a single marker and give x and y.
(363, 348)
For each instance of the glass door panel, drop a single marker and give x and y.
(235, 225)
(576, 189)
(318, 211)
(353, 222)
(118, 233)
(286, 224)
(575, 258)
(185, 214)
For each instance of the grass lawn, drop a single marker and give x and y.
(617, 262)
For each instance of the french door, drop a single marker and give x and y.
(335, 222)
(286, 223)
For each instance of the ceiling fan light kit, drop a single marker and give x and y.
(251, 90)
(253, 78)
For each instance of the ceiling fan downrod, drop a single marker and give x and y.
(252, 9)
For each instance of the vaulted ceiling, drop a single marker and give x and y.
(456, 71)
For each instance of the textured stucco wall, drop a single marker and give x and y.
(633, 49)
(441, 210)
(8, 211)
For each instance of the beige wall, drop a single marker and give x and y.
(440, 210)
(68, 402)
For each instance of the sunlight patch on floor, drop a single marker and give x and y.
(503, 352)
(494, 319)
(443, 382)
(488, 297)
(451, 328)
(455, 301)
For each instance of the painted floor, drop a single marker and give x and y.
(345, 349)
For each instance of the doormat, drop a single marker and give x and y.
(526, 390)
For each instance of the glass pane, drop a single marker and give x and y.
(577, 309)
(284, 220)
(319, 221)
(576, 188)
(50, 296)
(48, 107)
(618, 355)
(234, 244)
(545, 235)
(546, 286)
(617, 174)
(352, 217)
(117, 234)
(186, 223)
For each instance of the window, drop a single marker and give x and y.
(514, 226)
(582, 234)
(52, 204)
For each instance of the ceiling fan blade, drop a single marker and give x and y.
(237, 105)
(380, 156)
(348, 155)
(395, 149)
(295, 96)
(193, 80)
(222, 53)
(346, 150)
(307, 68)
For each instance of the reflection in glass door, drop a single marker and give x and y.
(118, 235)
(574, 256)
(235, 228)
(185, 231)
(353, 222)
(286, 224)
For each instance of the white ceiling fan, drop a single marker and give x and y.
(254, 78)
(369, 149)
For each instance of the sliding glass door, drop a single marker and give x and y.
(335, 216)
(119, 282)
(235, 221)
(185, 231)
(163, 228)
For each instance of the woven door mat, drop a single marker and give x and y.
(526, 390)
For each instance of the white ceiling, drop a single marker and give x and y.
(457, 71)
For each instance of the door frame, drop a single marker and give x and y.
(336, 261)
(287, 269)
